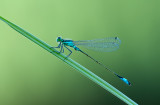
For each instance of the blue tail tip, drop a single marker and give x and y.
(124, 80)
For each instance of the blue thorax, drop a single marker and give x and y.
(70, 43)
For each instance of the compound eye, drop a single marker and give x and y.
(58, 39)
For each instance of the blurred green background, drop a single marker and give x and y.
(29, 75)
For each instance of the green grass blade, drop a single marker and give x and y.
(72, 63)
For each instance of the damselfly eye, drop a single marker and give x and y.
(59, 39)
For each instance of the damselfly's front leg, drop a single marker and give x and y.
(69, 53)
(59, 46)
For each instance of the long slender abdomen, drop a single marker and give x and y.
(120, 77)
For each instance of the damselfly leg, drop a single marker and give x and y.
(69, 53)
(59, 46)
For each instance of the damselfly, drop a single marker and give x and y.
(106, 45)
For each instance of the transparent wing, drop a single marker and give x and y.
(105, 45)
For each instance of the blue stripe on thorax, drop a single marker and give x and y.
(71, 44)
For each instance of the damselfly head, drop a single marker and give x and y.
(59, 39)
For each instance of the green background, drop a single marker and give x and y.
(29, 75)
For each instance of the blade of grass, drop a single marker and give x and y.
(72, 63)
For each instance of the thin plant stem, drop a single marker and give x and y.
(72, 63)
